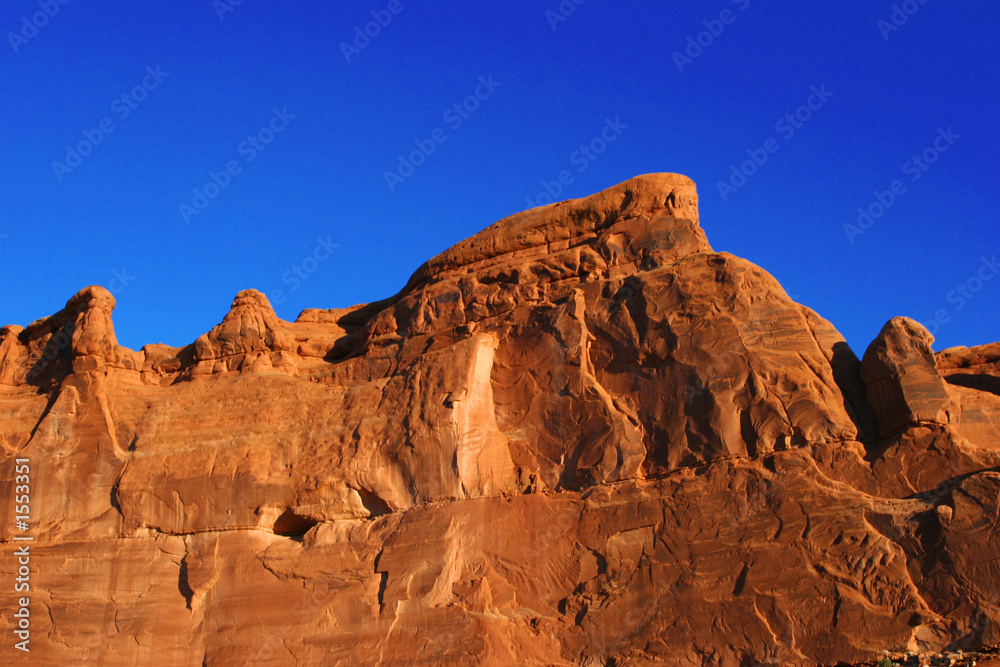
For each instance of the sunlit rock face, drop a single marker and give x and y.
(580, 436)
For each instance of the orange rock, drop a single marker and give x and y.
(580, 436)
(901, 376)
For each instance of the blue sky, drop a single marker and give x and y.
(223, 147)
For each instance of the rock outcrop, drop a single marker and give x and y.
(902, 378)
(578, 437)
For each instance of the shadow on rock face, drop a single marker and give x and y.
(981, 382)
(847, 374)
(293, 525)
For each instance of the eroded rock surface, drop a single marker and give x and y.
(902, 378)
(578, 437)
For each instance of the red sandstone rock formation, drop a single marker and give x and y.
(580, 437)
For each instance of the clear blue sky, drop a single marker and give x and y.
(213, 82)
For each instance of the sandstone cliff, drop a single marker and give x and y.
(580, 437)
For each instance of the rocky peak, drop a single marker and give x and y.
(578, 437)
(250, 336)
(92, 297)
(901, 377)
(250, 299)
(79, 337)
(655, 213)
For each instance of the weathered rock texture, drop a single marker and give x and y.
(578, 437)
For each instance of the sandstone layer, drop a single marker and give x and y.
(580, 437)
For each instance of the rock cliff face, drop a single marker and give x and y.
(580, 437)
